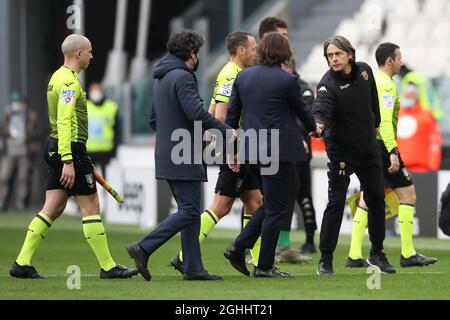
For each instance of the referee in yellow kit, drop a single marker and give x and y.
(70, 169)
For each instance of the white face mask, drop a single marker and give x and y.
(408, 103)
(16, 106)
(96, 96)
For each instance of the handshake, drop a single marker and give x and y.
(319, 130)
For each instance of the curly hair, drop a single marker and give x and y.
(182, 43)
(274, 49)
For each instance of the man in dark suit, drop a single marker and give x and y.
(269, 99)
(177, 112)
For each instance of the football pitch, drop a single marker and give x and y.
(65, 246)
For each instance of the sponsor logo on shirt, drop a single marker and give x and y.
(345, 87)
(67, 96)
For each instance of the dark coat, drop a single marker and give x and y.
(348, 106)
(308, 97)
(270, 98)
(176, 105)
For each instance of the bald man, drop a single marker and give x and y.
(70, 169)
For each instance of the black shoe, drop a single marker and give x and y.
(380, 261)
(118, 272)
(140, 258)
(237, 259)
(357, 263)
(272, 273)
(201, 275)
(325, 268)
(416, 260)
(177, 264)
(307, 248)
(24, 272)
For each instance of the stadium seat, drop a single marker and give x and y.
(362, 53)
(403, 9)
(418, 27)
(396, 31)
(439, 28)
(419, 30)
(349, 29)
(434, 8)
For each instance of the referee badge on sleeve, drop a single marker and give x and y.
(67, 96)
(225, 89)
(388, 101)
(90, 180)
(342, 169)
(365, 75)
(406, 174)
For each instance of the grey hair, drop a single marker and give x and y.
(342, 43)
(73, 43)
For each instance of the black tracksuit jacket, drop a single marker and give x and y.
(348, 106)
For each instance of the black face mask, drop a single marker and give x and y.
(196, 64)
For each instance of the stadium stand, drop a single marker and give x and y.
(417, 26)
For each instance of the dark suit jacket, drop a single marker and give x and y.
(270, 98)
(177, 105)
(348, 106)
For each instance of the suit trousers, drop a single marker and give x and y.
(369, 171)
(187, 194)
(266, 221)
(300, 192)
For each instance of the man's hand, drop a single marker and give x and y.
(395, 163)
(233, 163)
(233, 136)
(319, 130)
(305, 145)
(68, 175)
(377, 131)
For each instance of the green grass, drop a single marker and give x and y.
(65, 246)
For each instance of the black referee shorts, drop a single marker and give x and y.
(232, 184)
(84, 179)
(400, 179)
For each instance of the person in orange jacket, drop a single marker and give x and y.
(419, 135)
